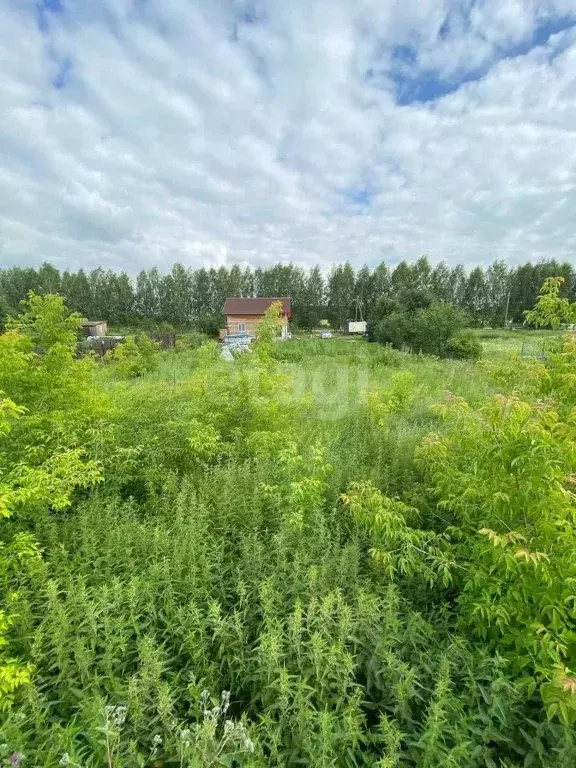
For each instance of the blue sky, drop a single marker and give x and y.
(136, 133)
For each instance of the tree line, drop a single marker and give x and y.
(194, 298)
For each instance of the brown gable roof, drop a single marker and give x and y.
(255, 306)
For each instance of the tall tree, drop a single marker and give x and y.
(522, 295)
(49, 280)
(182, 286)
(457, 290)
(313, 306)
(364, 290)
(497, 292)
(475, 294)
(147, 299)
(75, 286)
(422, 274)
(440, 283)
(402, 278)
(341, 294)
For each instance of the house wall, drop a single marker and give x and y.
(99, 329)
(251, 322)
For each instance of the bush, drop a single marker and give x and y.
(427, 330)
(395, 329)
(191, 341)
(464, 346)
(135, 356)
(434, 327)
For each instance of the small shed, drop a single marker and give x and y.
(356, 326)
(95, 328)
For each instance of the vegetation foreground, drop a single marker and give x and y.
(322, 554)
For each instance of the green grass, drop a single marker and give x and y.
(198, 567)
(503, 344)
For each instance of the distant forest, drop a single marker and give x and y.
(193, 298)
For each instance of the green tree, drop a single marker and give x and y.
(364, 289)
(402, 277)
(475, 294)
(313, 301)
(49, 280)
(40, 371)
(75, 288)
(497, 292)
(422, 274)
(42, 452)
(136, 356)
(341, 294)
(434, 327)
(440, 283)
(457, 285)
(147, 299)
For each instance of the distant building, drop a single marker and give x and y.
(95, 328)
(356, 326)
(244, 315)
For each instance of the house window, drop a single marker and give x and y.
(241, 327)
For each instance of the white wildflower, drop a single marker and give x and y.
(225, 702)
(120, 717)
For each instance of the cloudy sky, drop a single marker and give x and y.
(136, 133)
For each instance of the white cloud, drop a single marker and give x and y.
(213, 132)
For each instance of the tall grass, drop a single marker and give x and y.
(214, 602)
(326, 664)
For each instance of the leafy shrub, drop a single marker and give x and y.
(433, 328)
(46, 410)
(396, 329)
(551, 309)
(135, 356)
(503, 475)
(464, 345)
(427, 330)
(191, 340)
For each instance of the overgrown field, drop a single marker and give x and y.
(327, 553)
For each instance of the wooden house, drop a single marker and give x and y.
(244, 315)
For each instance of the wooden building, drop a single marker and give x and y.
(244, 315)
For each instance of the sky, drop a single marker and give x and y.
(138, 133)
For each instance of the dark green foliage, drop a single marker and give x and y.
(395, 329)
(464, 345)
(425, 330)
(434, 326)
(188, 298)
